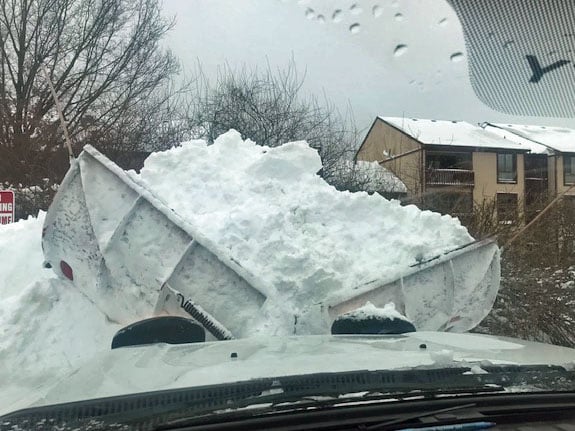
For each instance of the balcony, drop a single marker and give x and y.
(449, 177)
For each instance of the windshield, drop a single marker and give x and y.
(198, 193)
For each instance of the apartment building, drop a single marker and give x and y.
(448, 165)
(551, 158)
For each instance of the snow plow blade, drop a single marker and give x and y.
(470, 278)
(120, 245)
(135, 258)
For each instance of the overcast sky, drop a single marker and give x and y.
(381, 57)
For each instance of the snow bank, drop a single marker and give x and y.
(47, 328)
(301, 237)
(21, 256)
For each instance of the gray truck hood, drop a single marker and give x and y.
(159, 367)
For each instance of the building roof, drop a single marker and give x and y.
(451, 133)
(555, 138)
(534, 147)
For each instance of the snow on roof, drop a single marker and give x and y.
(451, 133)
(375, 178)
(556, 138)
(503, 132)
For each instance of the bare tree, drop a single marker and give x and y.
(536, 296)
(106, 64)
(271, 108)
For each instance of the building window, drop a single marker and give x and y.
(507, 168)
(507, 208)
(569, 170)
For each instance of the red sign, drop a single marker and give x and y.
(6, 206)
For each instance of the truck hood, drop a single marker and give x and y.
(161, 366)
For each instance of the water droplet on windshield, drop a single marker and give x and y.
(399, 17)
(456, 57)
(355, 9)
(309, 13)
(399, 50)
(337, 15)
(321, 19)
(443, 22)
(376, 11)
(508, 44)
(395, 3)
(355, 28)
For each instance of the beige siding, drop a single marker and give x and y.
(486, 186)
(382, 139)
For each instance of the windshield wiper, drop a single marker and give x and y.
(469, 412)
(152, 409)
(309, 405)
(297, 392)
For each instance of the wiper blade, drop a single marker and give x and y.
(310, 404)
(148, 410)
(296, 392)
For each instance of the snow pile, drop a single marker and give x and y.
(21, 256)
(304, 240)
(47, 328)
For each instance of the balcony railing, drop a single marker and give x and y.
(449, 177)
